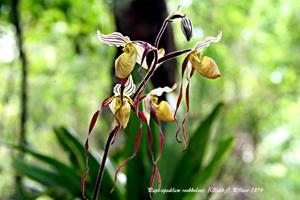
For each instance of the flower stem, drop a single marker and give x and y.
(104, 158)
(161, 31)
(149, 74)
(153, 68)
(172, 55)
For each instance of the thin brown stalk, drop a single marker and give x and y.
(104, 158)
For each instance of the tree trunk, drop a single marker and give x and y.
(141, 20)
(24, 64)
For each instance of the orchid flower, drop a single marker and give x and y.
(206, 66)
(159, 112)
(127, 97)
(120, 104)
(132, 52)
(162, 110)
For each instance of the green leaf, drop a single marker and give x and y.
(192, 160)
(68, 144)
(76, 148)
(224, 148)
(63, 170)
(69, 174)
(49, 178)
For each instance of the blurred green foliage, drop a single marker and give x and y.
(62, 180)
(69, 74)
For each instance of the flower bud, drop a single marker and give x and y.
(125, 63)
(187, 27)
(206, 66)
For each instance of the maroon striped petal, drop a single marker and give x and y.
(184, 65)
(142, 117)
(93, 121)
(83, 180)
(152, 179)
(113, 39)
(158, 178)
(201, 45)
(187, 100)
(136, 148)
(150, 142)
(161, 135)
(155, 174)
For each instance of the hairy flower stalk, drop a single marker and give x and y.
(127, 97)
